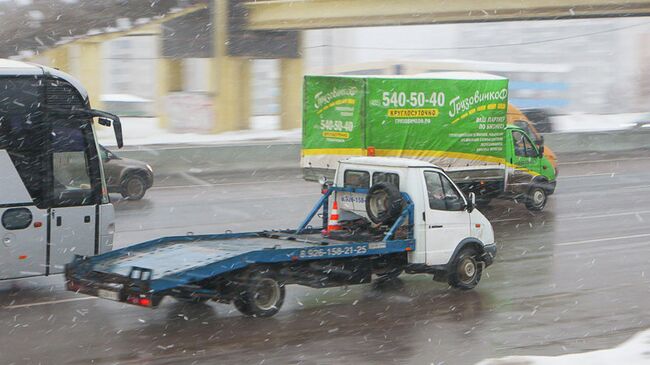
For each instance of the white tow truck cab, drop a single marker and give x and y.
(445, 221)
(53, 198)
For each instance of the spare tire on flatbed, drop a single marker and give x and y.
(384, 203)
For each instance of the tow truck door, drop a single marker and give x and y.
(523, 162)
(447, 222)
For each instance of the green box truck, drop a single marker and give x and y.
(454, 120)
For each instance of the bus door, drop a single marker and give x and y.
(75, 190)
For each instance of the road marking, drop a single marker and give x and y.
(46, 303)
(577, 217)
(601, 240)
(601, 161)
(587, 175)
(220, 184)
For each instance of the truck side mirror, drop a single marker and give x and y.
(471, 202)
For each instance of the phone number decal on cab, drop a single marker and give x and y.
(333, 251)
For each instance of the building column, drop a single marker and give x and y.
(58, 58)
(90, 71)
(169, 79)
(291, 77)
(230, 77)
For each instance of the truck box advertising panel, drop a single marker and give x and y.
(445, 121)
(452, 122)
(332, 119)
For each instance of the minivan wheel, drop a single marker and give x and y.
(134, 187)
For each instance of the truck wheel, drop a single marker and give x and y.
(536, 199)
(384, 203)
(261, 296)
(134, 187)
(465, 271)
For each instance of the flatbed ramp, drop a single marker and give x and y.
(167, 263)
(174, 257)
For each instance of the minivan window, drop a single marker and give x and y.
(385, 177)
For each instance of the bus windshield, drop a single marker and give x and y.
(48, 132)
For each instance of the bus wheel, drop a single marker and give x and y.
(134, 187)
(536, 199)
(465, 271)
(261, 296)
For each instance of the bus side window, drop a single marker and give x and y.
(22, 133)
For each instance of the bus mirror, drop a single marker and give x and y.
(117, 127)
(105, 119)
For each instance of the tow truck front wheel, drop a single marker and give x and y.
(465, 270)
(261, 296)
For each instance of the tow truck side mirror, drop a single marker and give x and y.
(471, 202)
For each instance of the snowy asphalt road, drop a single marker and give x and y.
(573, 278)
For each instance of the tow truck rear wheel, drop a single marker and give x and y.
(262, 295)
(465, 271)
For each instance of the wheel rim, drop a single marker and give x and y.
(267, 294)
(467, 270)
(378, 203)
(134, 187)
(538, 197)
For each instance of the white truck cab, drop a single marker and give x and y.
(445, 221)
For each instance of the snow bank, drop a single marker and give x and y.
(635, 351)
(596, 122)
(147, 131)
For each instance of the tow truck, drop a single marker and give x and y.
(396, 216)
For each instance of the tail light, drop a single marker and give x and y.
(141, 300)
(72, 286)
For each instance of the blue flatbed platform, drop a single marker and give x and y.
(174, 261)
(166, 265)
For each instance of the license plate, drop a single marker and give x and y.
(108, 294)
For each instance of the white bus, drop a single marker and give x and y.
(53, 198)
